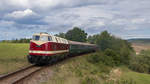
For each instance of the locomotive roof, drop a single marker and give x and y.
(81, 43)
(55, 38)
(70, 42)
(46, 34)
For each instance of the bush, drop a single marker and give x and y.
(101, 58)
(113, 55)
(115, 48)
(109, 57)
(141, 63)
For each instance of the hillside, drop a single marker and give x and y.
(140, 40)
(138, 47)
(79, 71)
(140, 44)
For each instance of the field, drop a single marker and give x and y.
(12, 56)
(139, 78)
(138, 47)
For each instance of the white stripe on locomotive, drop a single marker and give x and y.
(48, 52)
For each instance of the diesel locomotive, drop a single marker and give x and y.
(45, 48)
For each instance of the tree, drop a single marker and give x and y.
(115, 48)
(76, 34)
(92, 39)
(112, 54)
(62, 35)
(104, 40)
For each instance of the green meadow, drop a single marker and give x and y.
(13, 56)
(139, 78)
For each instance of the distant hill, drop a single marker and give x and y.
(140, 40)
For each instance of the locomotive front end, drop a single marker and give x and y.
(39, 48)
(45, 48)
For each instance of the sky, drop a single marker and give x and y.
(122, 18)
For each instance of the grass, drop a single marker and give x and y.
(139, 78)
(76, 71)
(79, 71)
(12, 56)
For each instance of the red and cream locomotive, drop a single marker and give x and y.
(45, 48)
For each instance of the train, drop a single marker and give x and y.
(46, 48)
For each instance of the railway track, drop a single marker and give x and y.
(19, 75)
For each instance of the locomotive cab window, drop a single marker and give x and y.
(36, 38)
(44, 38)
(49, 38)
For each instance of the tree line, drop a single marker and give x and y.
(22, 40)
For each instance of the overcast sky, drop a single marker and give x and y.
(123, 18)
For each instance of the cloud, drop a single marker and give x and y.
(84, 17)
(47, 4)
(120, 17)
(21, 14)
(6, 23)
(138, 20)
(26, 16)
(120, 22)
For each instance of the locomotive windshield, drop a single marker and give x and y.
(42, 38)
(36, 38)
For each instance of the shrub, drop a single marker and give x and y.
(141, 63)
(113, 55)
(108, 57)
(117, 49)
(89, 80)
(101, 58)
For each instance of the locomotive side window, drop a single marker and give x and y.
(44, 38)
(56, 39)
(49, 38)
(36, 38)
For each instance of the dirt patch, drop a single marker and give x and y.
(38, 77)
(115, 74)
